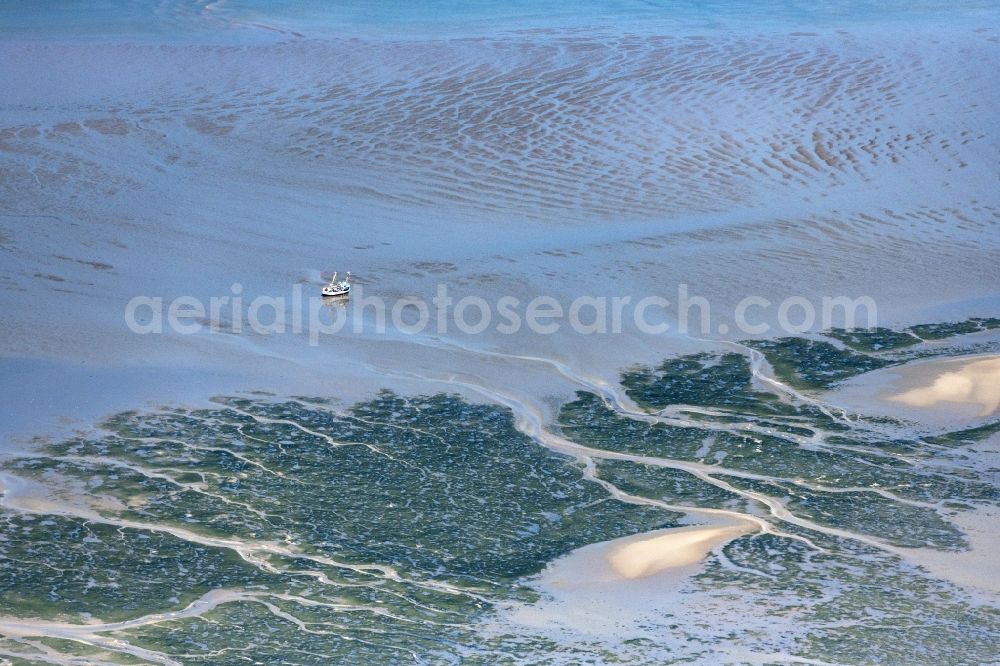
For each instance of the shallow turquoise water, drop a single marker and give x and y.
(235, 21)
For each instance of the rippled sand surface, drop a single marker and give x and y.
(835, 163)
(578, 124)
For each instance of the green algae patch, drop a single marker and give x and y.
(71, 568)
(871, 340)
(942, 331)
(388, 531)
(428, 509)
(814, 364)
(699, 379)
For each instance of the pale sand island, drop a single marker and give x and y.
(975, 382)
(623, 593)
(938, 393)
(671, 548)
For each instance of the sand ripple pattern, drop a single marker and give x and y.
(551, 123)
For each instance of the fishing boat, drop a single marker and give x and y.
(342, 288)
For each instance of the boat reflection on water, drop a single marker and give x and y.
(336, 304)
